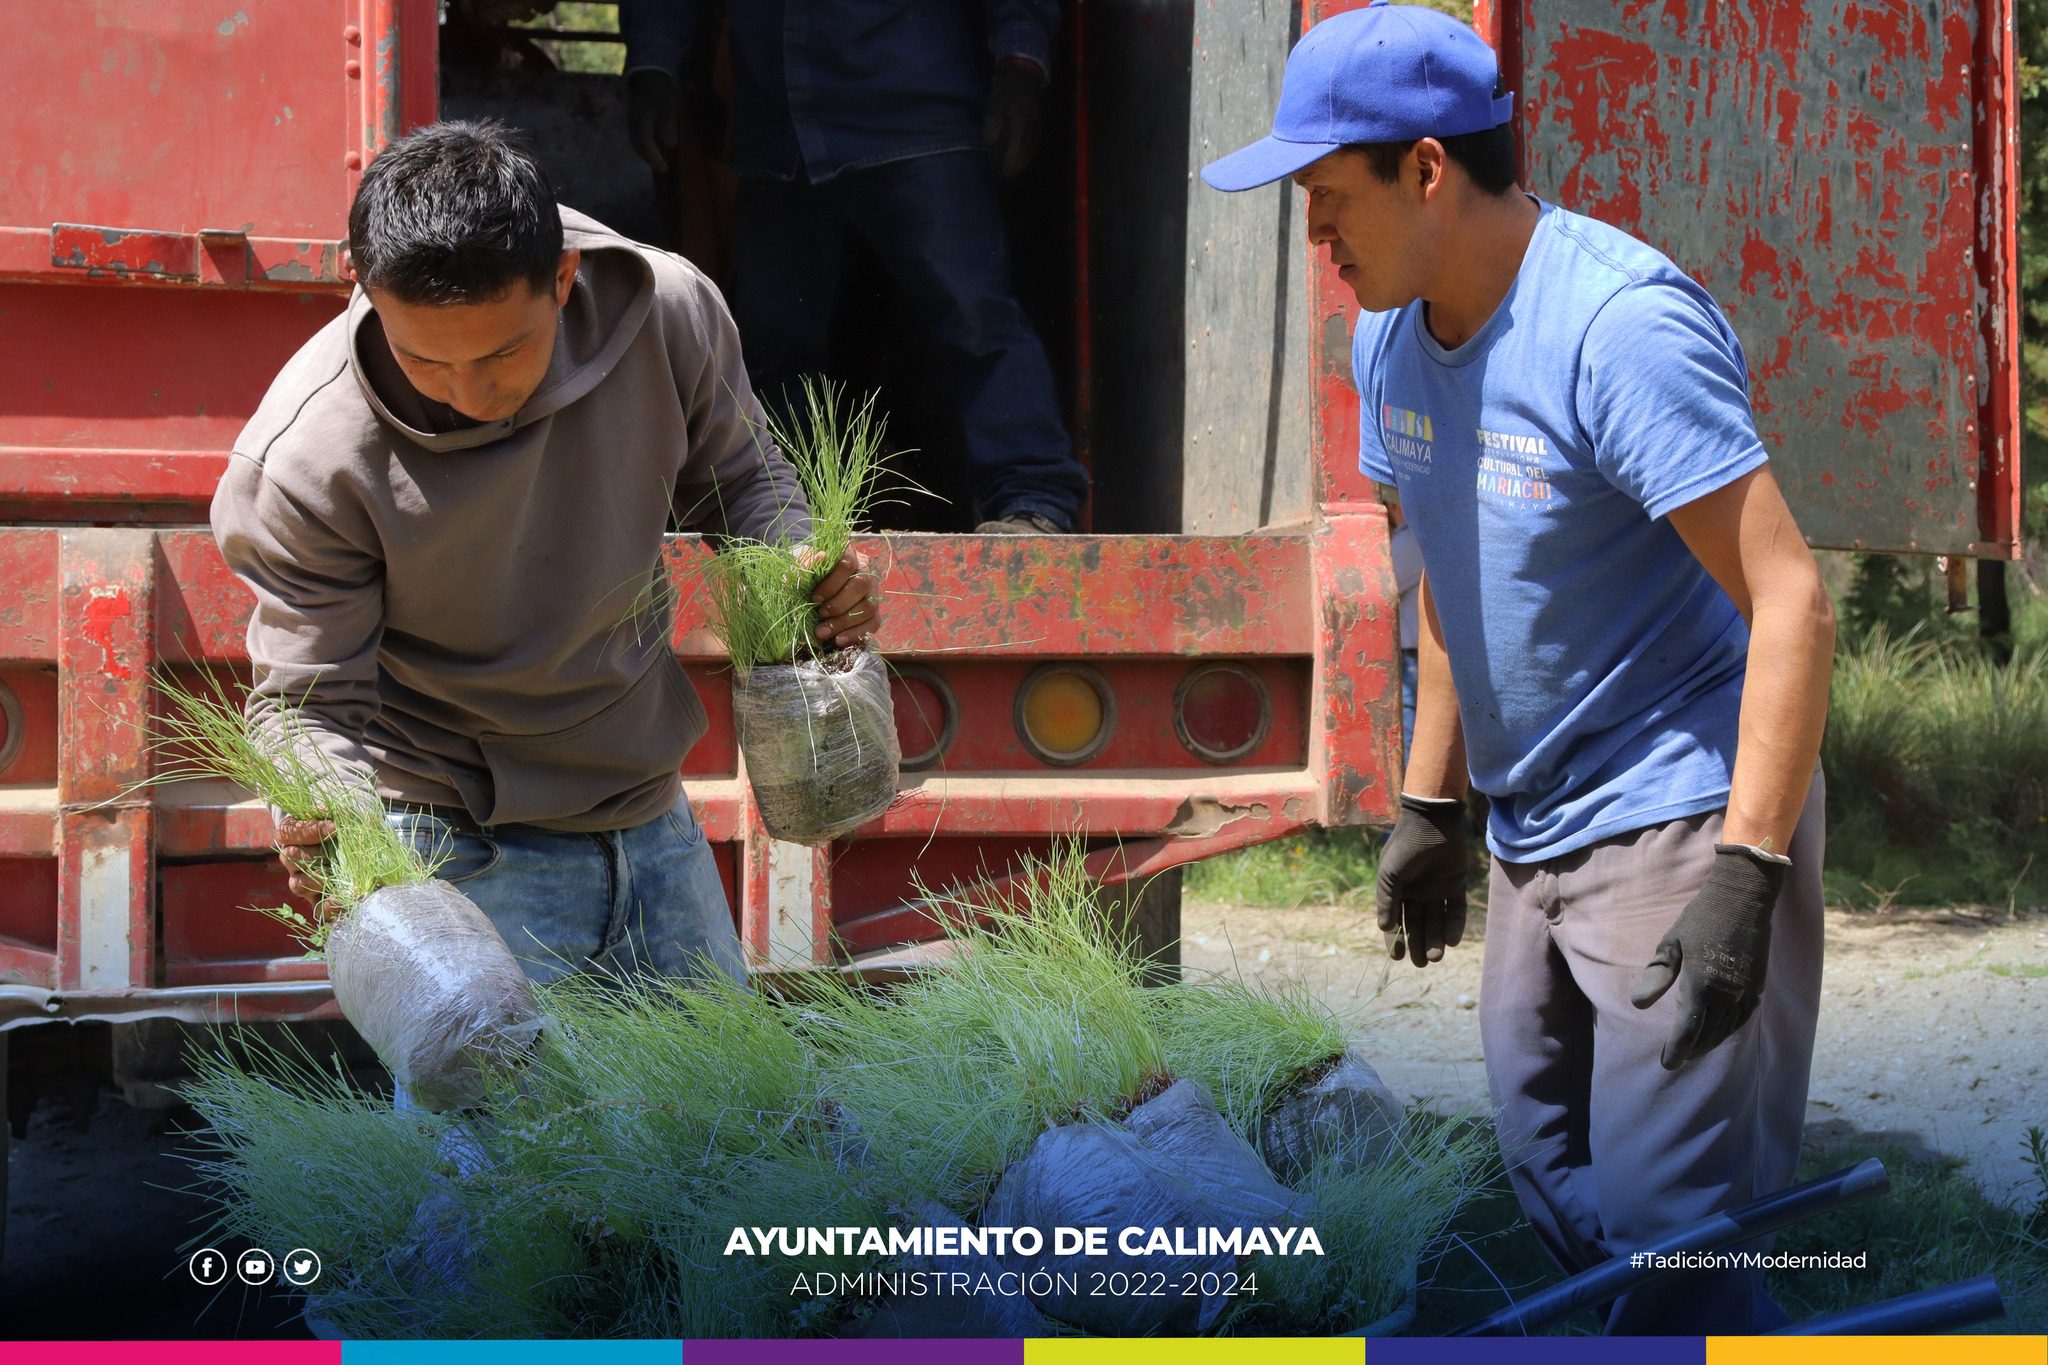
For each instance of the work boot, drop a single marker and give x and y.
(1021, 524)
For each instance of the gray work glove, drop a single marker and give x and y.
(1422, 880)
(1016, 115)
(654, 108)
(1716, 952)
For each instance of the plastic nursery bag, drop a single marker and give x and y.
(432, 987)
(820, 742)
(1347, 1115)
(1173, 1163)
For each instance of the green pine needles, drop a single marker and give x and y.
(204, 735)
(1039, 1018)
(593, 1191)
(759, 592)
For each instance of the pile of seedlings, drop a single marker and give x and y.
(816, 723)
(593, 1189)
(417, 968)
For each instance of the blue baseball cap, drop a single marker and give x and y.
(1384, 73)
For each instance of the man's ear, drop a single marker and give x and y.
(1430, 161)
(565, 275)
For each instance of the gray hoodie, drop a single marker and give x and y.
(452, 607)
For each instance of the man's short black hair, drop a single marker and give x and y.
(454, 213)
(1488, 156)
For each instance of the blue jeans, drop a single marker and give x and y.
(639, 901)
(936, 225)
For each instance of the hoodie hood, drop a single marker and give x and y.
(610, 302)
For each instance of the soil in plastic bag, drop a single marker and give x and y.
(820, 742)
(1174, 1163)
(1346, 1115)
(426, 979)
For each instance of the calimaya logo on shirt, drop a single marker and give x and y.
(1408, 436)
(1511, 466)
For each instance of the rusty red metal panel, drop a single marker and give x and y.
(1357, 688)
(1333, 395)
(28, 831)
(224, 258)
(203, 617)
(1125, 596)
(28, 726)
(984, 692)
(105, 828)
(201, 819)
(717, 753)
(211, 934)
(28, 593)
(1016, 805)
(108, 588)
(1357, 699)
(129, 398)
(1997, 135)
(1067, 596)
(1815, 165)
(28, 917)
(21, 966)
(69, 479)
(124, 253)
(400, 38)
(753, 846)
(178, 115)
(901, 915)
(259, 1003)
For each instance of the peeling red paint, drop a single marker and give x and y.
(102, 613)
(1840, 243)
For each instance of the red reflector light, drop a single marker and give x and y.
(1222, 712)
(926, 717)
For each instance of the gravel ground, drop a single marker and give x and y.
(1933, 1026)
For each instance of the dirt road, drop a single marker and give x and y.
(1933, 1026)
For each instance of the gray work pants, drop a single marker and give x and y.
(1607, 1150)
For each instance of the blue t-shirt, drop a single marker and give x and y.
(1599, 668)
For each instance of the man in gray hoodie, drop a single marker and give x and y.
(449, 508)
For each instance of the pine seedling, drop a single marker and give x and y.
(759, 592)
(1037, 1019)
(204, 734)
(1249, 1045)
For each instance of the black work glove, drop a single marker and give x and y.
(654, 105)
(1716, 952)
(1422, 880)
(1016, 115)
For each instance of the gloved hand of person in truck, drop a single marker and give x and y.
(1422, 880)
(1716, 952)
(654, 112)
(1016, 114)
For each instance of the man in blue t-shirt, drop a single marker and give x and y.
(1626, 646)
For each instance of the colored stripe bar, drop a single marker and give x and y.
(1877, 1350)
(1536, 1351)
(176, 1352)
(512, 1353)
(1195, 1350)
(934, 1351)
